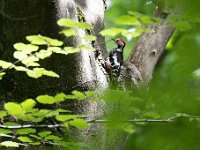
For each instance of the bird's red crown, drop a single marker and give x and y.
(122, 40)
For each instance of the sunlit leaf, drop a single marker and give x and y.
(53, 42)
(71, 50)
(35, 39)
(89, 37)
(34, 74)
(3, 113)
(79, 123)
(84, 25)
(111, 32)
(1, 75)
(26, 48)
(25, 139)
(79, 95)
(20, 55)
(57, 50)
(13, 108)
(5, 131)
(5, 64)
(127, 20)
(35, 136)
(66, 117)
(53, 137)
(25, 131)
(21, 68)
(28, 104)
(50, 73)
(67, 22)
(9, 144)
(43, 54)
(46, 99)
(44, 133)
(69, 32)
(60, 97)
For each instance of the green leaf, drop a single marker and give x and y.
(67, 22)
(9, 144)
(46, 99)
(69, 32)
(89, 37)
(71, 50)
(62, 110)
(21, 68)
(84, 25)
(79, 123)
(65, 117)
(11, 124)
(60, 97)
(35, 136)
(25, 139)
(50, 73)
(44, 133)
(6, 65)
(112, 32)
(20, 55)
(35, 39)
(13, 108)
(25, 131)
(28, 104)
(5, 131)
(3, 113)
(127, 20)
(31, 61)
(53, 137)
(1, 75)
(57, 50)
(26, 48)
(53, 42)
(34, 74)
(42, 54)
(79, 95)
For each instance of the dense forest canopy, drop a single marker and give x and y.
(56, 92)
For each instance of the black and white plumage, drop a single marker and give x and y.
(116, 56)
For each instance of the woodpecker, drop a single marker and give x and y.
(116, 56)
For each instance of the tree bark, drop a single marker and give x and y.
(149, 48)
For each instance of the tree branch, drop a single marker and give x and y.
(171, 119)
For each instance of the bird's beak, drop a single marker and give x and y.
(113, 39)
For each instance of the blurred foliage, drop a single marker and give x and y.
(175, 86)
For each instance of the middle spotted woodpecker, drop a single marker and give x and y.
(116, 56)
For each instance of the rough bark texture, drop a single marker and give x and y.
(149, 48)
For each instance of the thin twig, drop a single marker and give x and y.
(167, 120)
